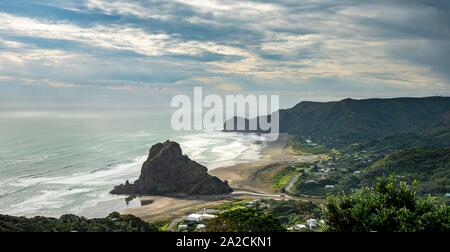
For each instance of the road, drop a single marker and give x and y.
(291, 183)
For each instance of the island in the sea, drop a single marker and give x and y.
(167, 171)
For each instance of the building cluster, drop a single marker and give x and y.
(196, 221)
(310, 224)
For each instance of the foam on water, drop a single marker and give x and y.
(97, 178)
(218, 149)
(49, 195)
(59, 191)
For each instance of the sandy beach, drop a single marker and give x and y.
(253, 176)
(249, 180)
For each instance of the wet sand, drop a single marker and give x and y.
(254, 176)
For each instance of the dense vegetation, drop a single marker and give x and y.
(303, 146)
(349, 121)
(243, 219)
(72, 223)
(291, 212)
(399, 142)
(368, 138)
(390, 205)
(345, 171)
(430, 166)
(281, 178)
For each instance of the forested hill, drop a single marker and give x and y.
(350, 121)
(430, 166)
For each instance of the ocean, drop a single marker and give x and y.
(60, 162)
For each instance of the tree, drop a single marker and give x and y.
(244, 220)
(390, 205)
(68, 223)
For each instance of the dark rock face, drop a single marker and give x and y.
(168, 171)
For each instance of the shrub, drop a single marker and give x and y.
(244, 220)
(390, 205)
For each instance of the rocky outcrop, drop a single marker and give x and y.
(168, 171)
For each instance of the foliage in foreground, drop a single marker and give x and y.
(244, 220)
(430, 166)
(291, 212)
(389, 206)
(72, 223)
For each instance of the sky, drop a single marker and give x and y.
(95, 53)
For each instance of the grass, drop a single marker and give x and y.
(232, 204)
(162, 225)
(307, 148)
(280, 179)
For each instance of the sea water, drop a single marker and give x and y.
(59, 162)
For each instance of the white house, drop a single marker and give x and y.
(208, 216)
(311, 223)
(182, 227)
(194, 217)
(300, 226)
(200, 226)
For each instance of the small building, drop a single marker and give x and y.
(447, 195)
(200, 226)
(252, 203)
(299, 226)
(194, 217)
(329, 186)
(208, 216)
(182, 227)
(357, 172)
(311, 223)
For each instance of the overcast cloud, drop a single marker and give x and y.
(64, 51)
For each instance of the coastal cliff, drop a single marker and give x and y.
(168, 171)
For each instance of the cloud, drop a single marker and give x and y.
(113, 37)
(398, 46)
(125, 8)
(5, 44)
(218, 83)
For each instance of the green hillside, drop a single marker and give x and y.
(357, 121)
(409, 137)
(430, 166)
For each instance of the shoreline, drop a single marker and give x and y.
(248, 180)
(251, 176)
